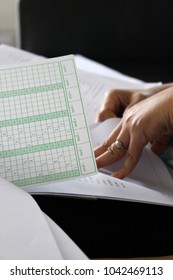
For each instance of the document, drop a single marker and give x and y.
(44, 135)
(29, 234)
(24, 232)
(150, 182)
(94, 87)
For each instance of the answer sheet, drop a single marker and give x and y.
(44, 134)
(150, 181)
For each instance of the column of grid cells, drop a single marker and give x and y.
(53, 130)
(43, 98)
(59, 95)
(50, 76)
(59, 100)
(15, 107)
(53, 76)
(14, 137)
(4, 138)
(6, 108)
(64, 129)
(51, 126)
(59, 160)
(29, 162)
(44, 164)
(34, 161)
(47, 167)
(15, 78)
(11, 170)
(74, 163)
(24, 77)
(17, 112)
(11, 164)
(23, 103)
(33, 110)
(40, 126)
(47, 131)
(21, 167)
(6, 100)
(70, 162)
(27, 103)
(47, 105)
(27, 99)
(33, 73)
(2, 109)
(41, 165)
(56, 78)
(3, 88)
(26, 160)
(46, 75)
(64, 124)
(66, 164)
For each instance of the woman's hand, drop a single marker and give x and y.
(143, 120)
(117, 101)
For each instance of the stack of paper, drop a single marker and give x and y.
(26, 231)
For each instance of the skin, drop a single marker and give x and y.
(146, 116)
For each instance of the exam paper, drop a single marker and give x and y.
(44, 134)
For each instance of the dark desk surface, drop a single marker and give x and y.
(113, 229)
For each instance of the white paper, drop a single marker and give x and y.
(11, 55)
(150, 170)
(91, 66)
(149, 182)
(44, 134)
(93, 87)
(24, 232)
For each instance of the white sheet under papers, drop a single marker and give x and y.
(92, 66)
(24, 232)
(27, 233)
(11, 55)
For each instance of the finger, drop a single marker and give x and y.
(107, 143)
(113, 104)
(108, 158)
(129, 164)
(131, 159)
(113, 153)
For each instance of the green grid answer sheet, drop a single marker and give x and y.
(44, 134)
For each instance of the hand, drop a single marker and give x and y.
(144, 120)
(117, 101)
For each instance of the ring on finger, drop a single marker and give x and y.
(119, 145)
(116, 145)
